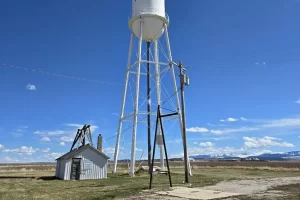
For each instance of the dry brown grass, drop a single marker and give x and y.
(33, 185)
(27, 167)
(123, 166)
(279, 166)
(248, 167)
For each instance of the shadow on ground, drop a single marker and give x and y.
(17, 177)
(44, 178)
(47, 178)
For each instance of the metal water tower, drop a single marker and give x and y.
(148, 23)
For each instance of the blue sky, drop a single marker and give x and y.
(244, 74)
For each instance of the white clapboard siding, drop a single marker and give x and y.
(93, 165)
(61, 169)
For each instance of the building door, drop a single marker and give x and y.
(75, 169)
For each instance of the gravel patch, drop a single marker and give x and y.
(255, 186)
(153, 197)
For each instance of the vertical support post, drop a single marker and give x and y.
(175, 88)
(154, 145)
(158, 93)
(164, 141)
(123, 105)
(159, 123)
(149, 106)
(136, 103)
(186, 159)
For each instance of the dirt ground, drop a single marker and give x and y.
(208, 183)
(246, 189)
(255, 188)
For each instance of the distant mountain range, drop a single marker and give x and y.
(293, 155)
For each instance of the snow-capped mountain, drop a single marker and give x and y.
(293, 155)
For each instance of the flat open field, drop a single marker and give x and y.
(36, 181)
(175, 164)
(231, 164)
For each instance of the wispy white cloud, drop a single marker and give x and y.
(230, 119)
(175, 141)
(298, 101)
(286, 122)
(45, 150)
(30, 87)
(68, 132)
(206, 144)
(22, 150)
(253, 142)
(234, 130)
(79, 126)
(195, 143)
(209, 124)
(66, 139)
(62, 143)
(19, 131)
(216, 138)
(197, 130)
(52, 155)
(261, 63)
(261, 125)
(222, 138)
(243, 119)
(1, 146)
(11, 160)
(138, 150)
(52, 133)
(22, 128)
(16, 135)
(46, 139)
(109, 150)
(215, 151)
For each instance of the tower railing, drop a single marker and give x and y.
(144, 13)
(167, 17)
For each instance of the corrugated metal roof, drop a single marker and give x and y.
(81, 148)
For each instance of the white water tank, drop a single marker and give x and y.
(153, 16)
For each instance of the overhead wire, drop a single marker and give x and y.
(161, 78)
(221, 63)
(171, 147)
(89, 80)
(153, 125)
(160, 46)
(167, 97)
(57, 75)
(169, 109)
(254, 56)
(131, 94)
(150, 114)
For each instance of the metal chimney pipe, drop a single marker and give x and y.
(99, 144)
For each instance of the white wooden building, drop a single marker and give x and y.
(85, 162)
